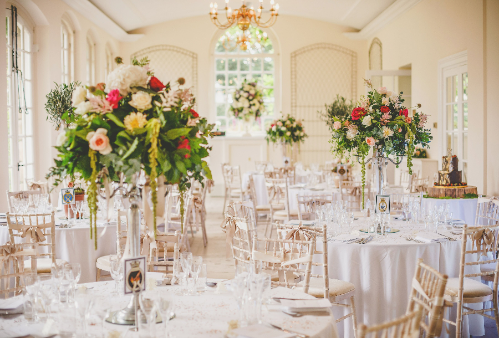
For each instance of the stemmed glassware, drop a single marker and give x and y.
(84, 304)
(149, 307)
(186, 262)
(165, 305)
(116, 272)
(197, 262)
(31, 287)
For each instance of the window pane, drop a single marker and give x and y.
(27, 65)
(454, 113)
(465, 86)
(29, 94)
(268, 80)
(455, 89)
(465, 146)
(27, 40)
(454, 144)
(19, 118)
(11, 187)
(256, 64)
(232, 80)
(244, 64)
(220, 109)
(220, 96)
(465, 115)
(222, 124)
(257, 78)
(29, 122)
(20, 150)
(29, 173)
(245, 76)
(220, 64)
(232, 64)
(268, 64)
(449, 141)
(220, 80)
(449, 117)
(269, 108)
(268, 94)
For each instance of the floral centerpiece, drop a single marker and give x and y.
(133, 122)
(380, 121)
(248, 101)
(420, 153)
(286, 130)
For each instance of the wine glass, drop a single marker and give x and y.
(149, 307)
(116, 271)
(84, 304)
(165, 305)
(186, 261)
(197, 262)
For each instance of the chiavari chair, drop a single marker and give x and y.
(308, 204)
(233, 184)
(39, 229)
(260, 209)
(427, 295)
(13, 269)
(404, 327)
(351, 193)
(164, 252)
(465, 290)
(279, 201)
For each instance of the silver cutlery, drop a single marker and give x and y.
(367, 239)
(449, 238)
(299, 335)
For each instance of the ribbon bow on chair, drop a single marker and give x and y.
(299, 234)
(482, 239)
(33, 233)
(229, 226)
(8, 249)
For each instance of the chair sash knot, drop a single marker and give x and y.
(483, 240)
(299, 234)
(33, 234)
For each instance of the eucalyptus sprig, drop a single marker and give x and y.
(59, 106)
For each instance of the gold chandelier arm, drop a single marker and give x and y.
(271, 21)
(216, 22)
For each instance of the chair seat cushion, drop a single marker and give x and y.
(43, 265)
(336, 287)
(284, 213)
(472, 288)
(263, 207)
(104, 262)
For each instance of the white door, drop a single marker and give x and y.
(20, 105)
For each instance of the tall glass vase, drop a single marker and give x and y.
(379, 162)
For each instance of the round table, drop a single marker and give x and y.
(382, 270)
(204, 315)
(461, 208)
(74, 245)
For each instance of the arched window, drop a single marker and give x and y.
(109, 60)
(90, 71)
(67, 52)
(19, 102)
(232, 65)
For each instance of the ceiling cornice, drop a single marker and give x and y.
(388, 15)
(92, 13)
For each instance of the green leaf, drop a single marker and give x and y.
(207, 170)
(132, 148)
(176, 133)
(180, 166)
(115, 120)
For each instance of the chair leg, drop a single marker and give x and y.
(496, 311)
(459, 318)
(225, 202)
(203, 227)
(354, 316)
(97, 277)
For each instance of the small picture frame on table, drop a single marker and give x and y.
(68, 195)
(382, 204)
(135, 274)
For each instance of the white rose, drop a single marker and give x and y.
(283, 128)
(350, 135)
(274, 128)
(79, 95)
(245, 94)
(394, 98)
(385, 101)
(252, 92)
(366, 121)
(61, 139)
(245, 103)
(141, 101)
(389, 93)
(257, 105)
(247, 88)
(83, 108)
(126, 76)
(288, 133)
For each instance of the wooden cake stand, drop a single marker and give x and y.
(454, 192)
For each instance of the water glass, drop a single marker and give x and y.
(29, 306)
(202, 279)
(116, 271)
(149, 307)
(67, 317)
(84, 304)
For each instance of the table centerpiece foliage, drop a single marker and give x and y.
(131, 123)
(382, 123)
(286, 130)
(248, 101)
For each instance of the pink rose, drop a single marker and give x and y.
(370, 141)
(337, 125)
(382, 90)
(114, 98)
(99, 141)
(408, 119)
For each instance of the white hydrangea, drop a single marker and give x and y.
(126, 76)
(79, 96)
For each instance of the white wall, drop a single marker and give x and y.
(47, 70)
(433, 30)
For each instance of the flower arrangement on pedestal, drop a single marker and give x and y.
(133, 122)
(287, 132)
(382, 122)
(248, 101)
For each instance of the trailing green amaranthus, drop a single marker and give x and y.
(92, 196)
(154, 125)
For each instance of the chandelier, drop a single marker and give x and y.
(244, 17)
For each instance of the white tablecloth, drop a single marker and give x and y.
(382, 270)
(75, 246)
(461, 208)
(205, 315)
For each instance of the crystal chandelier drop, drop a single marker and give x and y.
(244, 17)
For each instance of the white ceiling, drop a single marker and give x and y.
(133, 14)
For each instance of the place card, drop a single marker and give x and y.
(306, 304)
(135, 274)
(260, 330)
(382, 204)
(67, 195)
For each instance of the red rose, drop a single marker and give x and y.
(184, 144)
(194, 113)
(357, 113)
(155, 84)
(404, 112)
(187, 155)
(385, 109)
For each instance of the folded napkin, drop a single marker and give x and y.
(304, 305)
(297, 186)
(430, 237)
(11, 303)
(260, 330)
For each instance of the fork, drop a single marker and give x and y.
(449, 238)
